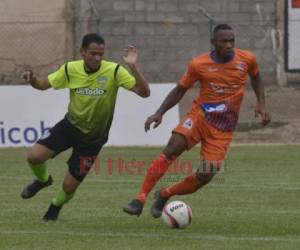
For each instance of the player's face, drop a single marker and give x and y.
(92, 55)
(223, 42)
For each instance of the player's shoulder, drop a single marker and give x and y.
(244, 54)
(74, 66)
(109, 67)
(200, 59)
(108, 64)
(75, 63)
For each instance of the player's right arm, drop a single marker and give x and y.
(41, 84)
(170, 101)
(186, 82)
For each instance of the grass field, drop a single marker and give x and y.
(253, 204)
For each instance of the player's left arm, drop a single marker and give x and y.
(260, 109)
(41, 84)
(130, 58)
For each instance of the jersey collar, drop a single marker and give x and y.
(92, 71)
(216, 59)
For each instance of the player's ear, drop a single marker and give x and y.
(212, 41)
(82, 51)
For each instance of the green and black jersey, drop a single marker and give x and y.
(92, 96)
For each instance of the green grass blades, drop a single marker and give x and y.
(253, 204)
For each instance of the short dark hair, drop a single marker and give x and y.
(222, 26)
(91, 38)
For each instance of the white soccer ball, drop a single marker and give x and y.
(177, 214)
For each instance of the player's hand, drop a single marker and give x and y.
(28, 76)
(156, 118)
(130, 55)
(260, 112)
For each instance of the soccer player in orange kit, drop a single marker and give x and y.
(223, 75)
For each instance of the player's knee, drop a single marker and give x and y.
(208, 169)
(35, 158)
(170, 152)
(205, 178)
(69, 188)
(175, 147)
(70, 183)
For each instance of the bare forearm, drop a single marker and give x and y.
(142, 86)
(29, 77)
(258, 88)
(172, 99)
(40, 84)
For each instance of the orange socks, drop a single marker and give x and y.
(187, 186)
(155, 171)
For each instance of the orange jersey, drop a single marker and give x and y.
(222, 86)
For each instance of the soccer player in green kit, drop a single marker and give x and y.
(93, 84)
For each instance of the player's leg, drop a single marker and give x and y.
(180, 141)
(47, 147)
(176, 145)
(81, 161)
(70, 185)
(214, 147)
(188, 185)
(36, 158)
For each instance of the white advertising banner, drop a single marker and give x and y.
(26, 113)
(293, 34)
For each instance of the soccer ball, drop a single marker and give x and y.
(177, 214)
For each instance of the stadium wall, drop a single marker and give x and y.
(34, 34)
(41, 34)
(170, 32)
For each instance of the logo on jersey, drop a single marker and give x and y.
(212, 69)
(102, 81)
(240, 66)
(90, 92)
(216, 87)
(188, 123)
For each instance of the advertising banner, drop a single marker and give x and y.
(26, 114)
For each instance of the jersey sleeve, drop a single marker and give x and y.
(58, 79)
(190, 76)
(124, 78)
(253, 66)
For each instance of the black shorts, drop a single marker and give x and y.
(85, 148)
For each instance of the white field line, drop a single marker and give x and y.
(159, 235)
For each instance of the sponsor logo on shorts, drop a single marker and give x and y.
(90, 92)
(188, 123)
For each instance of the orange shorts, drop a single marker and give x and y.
(214, 142)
